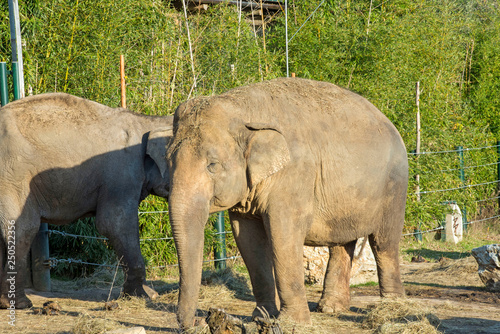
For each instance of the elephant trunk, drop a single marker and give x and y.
(188, 221)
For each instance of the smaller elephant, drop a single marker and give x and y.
(62, 158)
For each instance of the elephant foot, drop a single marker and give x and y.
(328, 306)
(392, 295)
(19, 303)
(301, 316)
(142, 291)
(265, 311)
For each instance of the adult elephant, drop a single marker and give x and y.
(295, 162)
(62, 158)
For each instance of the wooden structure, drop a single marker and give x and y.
(261, 10)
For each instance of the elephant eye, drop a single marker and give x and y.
(214, 167)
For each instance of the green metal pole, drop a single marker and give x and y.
(460, 150)
(4, 91)
(15, 80)
(220, 248)
(15, 42)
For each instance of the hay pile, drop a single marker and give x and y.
(402, 316)
(91, 325)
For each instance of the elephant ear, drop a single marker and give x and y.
(158, 141)
(267, 152)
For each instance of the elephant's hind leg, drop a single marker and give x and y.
(387, 257)
(336, 296)
(120, 225)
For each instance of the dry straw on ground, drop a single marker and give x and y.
(401, 316)
(90, 325)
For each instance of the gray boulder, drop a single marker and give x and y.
(488, 259)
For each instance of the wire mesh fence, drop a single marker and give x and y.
(439, 183)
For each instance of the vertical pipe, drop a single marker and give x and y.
(460, 150)
(15, 41)
(40, 270)
(286, 35)
(122, 81)
(15, 80)
(220, 248)
(4, 92)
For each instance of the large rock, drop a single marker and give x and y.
(315, 261)
(364, 268)
(488, 259)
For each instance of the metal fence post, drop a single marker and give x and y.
(40, 269)
(460, 150)
(220, 248)
(4, 91)
(15, 80)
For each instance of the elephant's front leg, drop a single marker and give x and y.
(287, 239)
(336, 296)
(255, 249)
(19, 229)
(121, 226)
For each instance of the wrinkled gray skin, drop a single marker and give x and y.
(62, 158)
(295, 162)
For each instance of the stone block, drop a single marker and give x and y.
(364, 268)
(132, 330)
(488, 260)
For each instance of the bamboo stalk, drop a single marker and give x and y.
(264, 34)
(70, 47)
(162, 94)
(368, 23)
(151, 74)
(190, 46)
(240, 9)
(417, 151)
(175, 71)
(122, 81)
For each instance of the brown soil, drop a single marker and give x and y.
(449, 289)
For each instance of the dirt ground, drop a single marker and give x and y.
(449, 289)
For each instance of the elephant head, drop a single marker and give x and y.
(218, 161)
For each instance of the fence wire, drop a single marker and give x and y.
(54, 261)
(454, 151)
(457, 188)
(442, 228)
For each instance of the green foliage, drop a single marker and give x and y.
(83, 249)
(154, 224)
(486, 76)
(74, 47)
(377, 48)
(382, 51)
